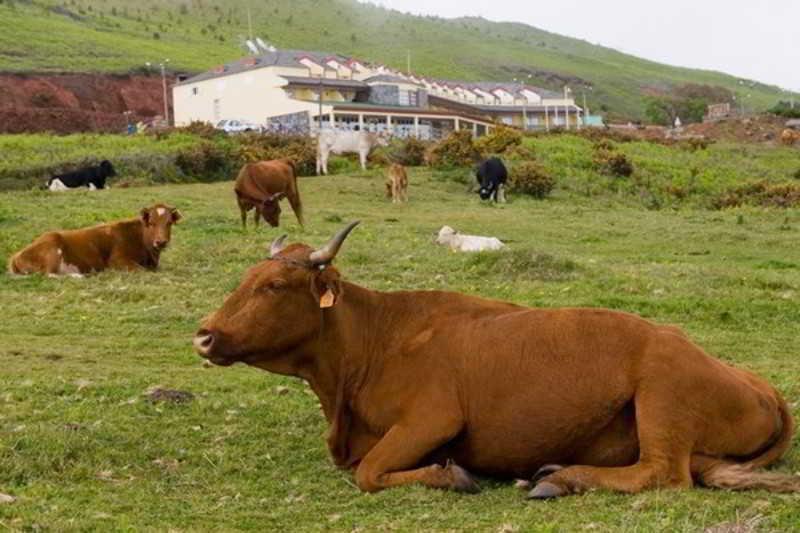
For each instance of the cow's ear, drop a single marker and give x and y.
(176, 216)
(326, 287)
(145, 216)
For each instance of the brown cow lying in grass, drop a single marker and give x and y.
(414, 383)
(397, 184)
(263, 185)
(125, 245)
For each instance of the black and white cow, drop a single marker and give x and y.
(90, 177)
(492, 176)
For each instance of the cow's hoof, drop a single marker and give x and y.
(462, 481)
(545, 471)
(545, 491)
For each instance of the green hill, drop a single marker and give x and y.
(121, 35)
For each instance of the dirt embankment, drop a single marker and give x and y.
(68, 103)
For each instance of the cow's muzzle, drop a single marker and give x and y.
(205, 343)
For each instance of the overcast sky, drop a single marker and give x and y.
(757, 40)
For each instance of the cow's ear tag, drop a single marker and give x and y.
(327, 300)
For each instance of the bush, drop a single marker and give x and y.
(532, 179)
(498, 141)
(796, 175)
(520, 152)
(203, 160)
(201, 129)
(455, 150)
(252, 147)
(409, 152)
(693, 144)
(603, 144)
(760, 193)
(612, 163)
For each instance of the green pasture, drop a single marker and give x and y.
(83, 449)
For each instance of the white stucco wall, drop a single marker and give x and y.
(253, 95)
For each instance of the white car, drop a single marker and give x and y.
(237, 126)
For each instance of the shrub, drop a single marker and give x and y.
(201, 129)
(694, 144)
(498, 141)
(252, 147)
(203, 160)
(603, 144)
(520, 152)
(612, 163)
(532, 179)
(409, 152)
(796, 175)
(760, 193)
(455, 150)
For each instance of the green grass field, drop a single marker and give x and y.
(82, 449)
(121, 35)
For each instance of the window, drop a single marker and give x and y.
(403, 98)
(217, 109)
(507, 120)
(195, 91)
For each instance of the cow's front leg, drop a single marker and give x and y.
(501, 193)
(394, 461)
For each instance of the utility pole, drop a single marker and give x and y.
(249, 23)
(163, 66)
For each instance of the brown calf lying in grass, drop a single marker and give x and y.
(124, 245)
(397, 184)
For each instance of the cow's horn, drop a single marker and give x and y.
(325, 255)
(277, 246)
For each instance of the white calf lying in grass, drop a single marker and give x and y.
(467, 243)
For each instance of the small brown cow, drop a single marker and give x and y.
(124, 245)
(789, 137)
(397, 184)
(263, 185)
(424, 386)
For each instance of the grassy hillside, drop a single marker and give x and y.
(120, 35)
(81, 448)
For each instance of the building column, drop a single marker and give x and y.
(475, 129)
(555, 110)
(389, 123)
(361, 122)
(458, 124)
(566, 116)
(416, 127)
(547, 118)
(333, 120)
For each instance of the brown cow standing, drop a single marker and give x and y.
(124, 245)
(789, 137)
(263, 185)
(413, 380)
(397, 184)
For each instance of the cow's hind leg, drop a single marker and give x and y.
(665, 449)
(394, 460)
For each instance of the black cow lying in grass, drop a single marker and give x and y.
(492, 176)
(90, 177)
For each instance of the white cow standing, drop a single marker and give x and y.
(342, 142)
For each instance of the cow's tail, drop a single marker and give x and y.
(724, 474)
